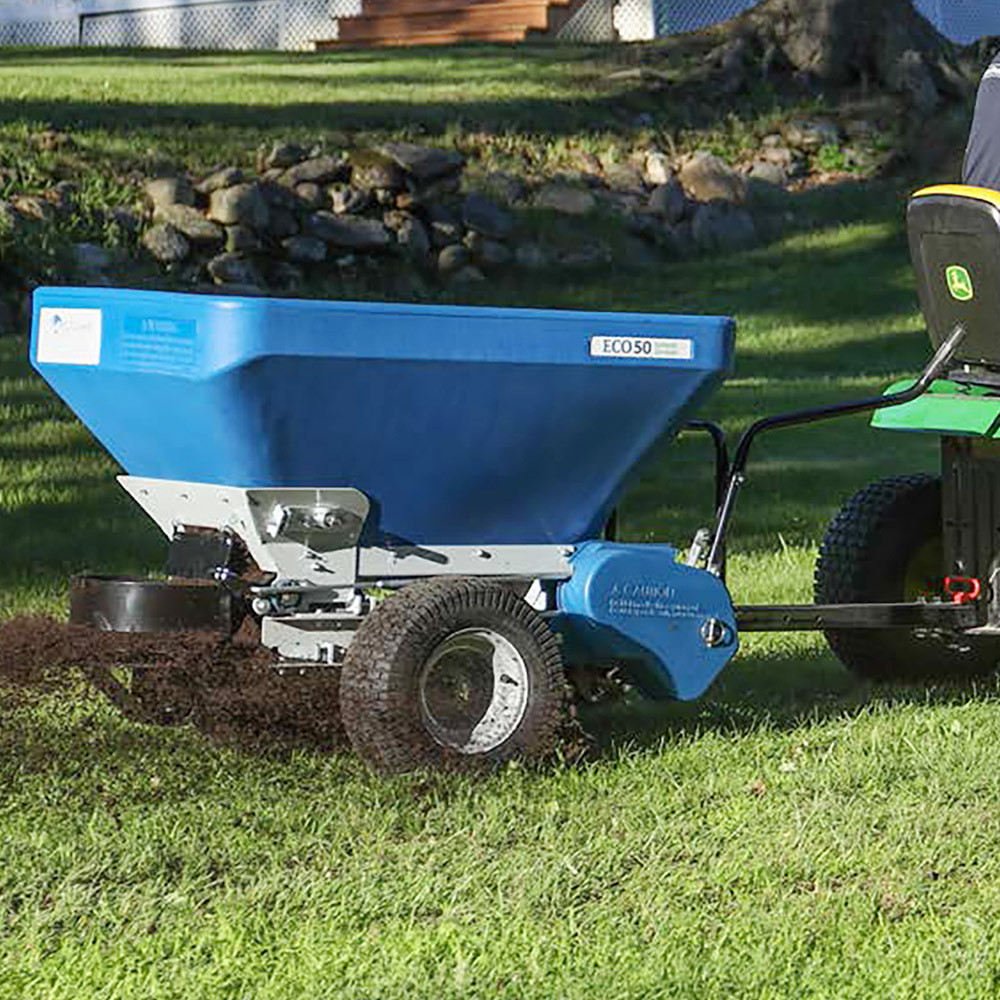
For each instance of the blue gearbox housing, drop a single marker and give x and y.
(672, 625)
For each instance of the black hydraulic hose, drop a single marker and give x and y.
(937, 364)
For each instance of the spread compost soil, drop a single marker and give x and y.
(224, 685)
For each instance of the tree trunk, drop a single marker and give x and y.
(884, 42)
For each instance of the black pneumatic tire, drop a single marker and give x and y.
(395, 694)
(885, 546)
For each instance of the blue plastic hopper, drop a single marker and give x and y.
(462, 425)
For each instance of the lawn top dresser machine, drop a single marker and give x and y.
(420, 497)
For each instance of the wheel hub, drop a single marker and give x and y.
(473, 691)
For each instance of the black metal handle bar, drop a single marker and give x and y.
(937, 364)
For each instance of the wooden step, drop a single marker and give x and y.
(379, 8)
(425, 38)
(476, 18)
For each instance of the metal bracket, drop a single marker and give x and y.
(820, 617)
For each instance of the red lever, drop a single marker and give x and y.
(963, 589)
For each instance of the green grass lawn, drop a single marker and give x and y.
(792, 834)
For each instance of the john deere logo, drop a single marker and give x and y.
(960, 283)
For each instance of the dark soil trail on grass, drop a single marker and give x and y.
(225, 685)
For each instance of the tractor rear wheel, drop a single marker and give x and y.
(885, 546)
(452, 674)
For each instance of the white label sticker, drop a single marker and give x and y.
(658, 348)
(69, 337)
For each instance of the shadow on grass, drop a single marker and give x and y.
(768, 692)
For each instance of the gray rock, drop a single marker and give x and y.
(423, 163)
(442, 211)
(625, 203)
(282, 223)
(233, 269)
(305, 249)
(274, 174)
(284, 155)
(468, 275)
(374, 170)
(190, 222)
(348, 231)
(347, 200)
(771, 173)
(624, 177)
(668, 202)
(780, 156)
(166, 244)
(707, 178)
(452, 258)
(242, 239)
(811, 135)
(224, 178)
(443, 187)
(506, 188)
(719, 227)
(565, 199)
(90, 257)
(413, 238)
(531, 257)
(312, 195)
(169, 191)
(279, 196)
(243, 205)
(484, 216)
(317, 170)
(488, 253)
(445, 233)
(658, 169)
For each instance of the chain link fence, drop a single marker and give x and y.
(182, 24)
(637, 20)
